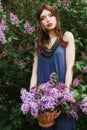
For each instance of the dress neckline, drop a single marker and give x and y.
(49, 51)
(52, 45)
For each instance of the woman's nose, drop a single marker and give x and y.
(48, 19)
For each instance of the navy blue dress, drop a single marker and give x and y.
(55, 63)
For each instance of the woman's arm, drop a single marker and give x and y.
(70, 57)
(33, 81)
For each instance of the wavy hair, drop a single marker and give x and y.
(42, 34)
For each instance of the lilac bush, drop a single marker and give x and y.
(79, 84)
(16, 47)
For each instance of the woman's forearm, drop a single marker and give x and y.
(68, 77)
(33, 81)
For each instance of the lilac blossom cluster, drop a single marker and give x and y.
(28, 28)
(76, 82)
(46, 98)
(3, 28)
(83, 105)
(14, 19)
(53, 79)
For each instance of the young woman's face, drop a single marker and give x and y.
(48, 20)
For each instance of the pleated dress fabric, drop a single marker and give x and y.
(55, 62)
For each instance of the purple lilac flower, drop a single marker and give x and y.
(69, 97)
(61, 87)
(45, 88)
(26, 96)
(3, 25)
(3, 28)
(47, 103)
(1, 8)
(2, 37)
(30, 104)
(76, 82)
(14, 19)
(83, 105)
(34, 108)
(25, 108)
(73, 113)
(85, 69)
(28, 28)
(53, 79)
(54, 93)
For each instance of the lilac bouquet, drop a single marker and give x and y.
(47, 97)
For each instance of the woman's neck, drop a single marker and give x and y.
(53, 38)
(52, 34)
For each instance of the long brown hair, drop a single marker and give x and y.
(42, 34)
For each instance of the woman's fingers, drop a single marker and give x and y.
(58, 114)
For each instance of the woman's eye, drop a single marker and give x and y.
(50, 15)
(42, 18)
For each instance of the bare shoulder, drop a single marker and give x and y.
(68, 36)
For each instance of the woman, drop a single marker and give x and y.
(55, 52)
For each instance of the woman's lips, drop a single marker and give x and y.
(49, 24)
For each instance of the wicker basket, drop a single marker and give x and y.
(47, 119)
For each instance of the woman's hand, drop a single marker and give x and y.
(32, 88)
(57, 114)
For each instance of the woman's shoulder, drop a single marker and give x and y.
(68, 35)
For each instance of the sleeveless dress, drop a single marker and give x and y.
(53, 60)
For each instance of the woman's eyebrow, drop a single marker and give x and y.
(44, 15)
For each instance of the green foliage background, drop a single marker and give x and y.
(12, 78)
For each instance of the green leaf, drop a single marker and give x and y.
(83, 88)
(83, 95)
(12, 38)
